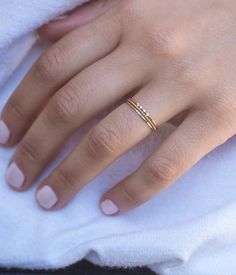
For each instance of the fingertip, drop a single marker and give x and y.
(46, 197)
(14, 176)
(109, 207)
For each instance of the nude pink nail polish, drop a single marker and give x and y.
(4, 132)
(15, 176)
(109, 208)
(46, 197)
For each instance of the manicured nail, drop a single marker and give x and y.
(14, 176)
(4, 133)
(109, 208)
(46, 197)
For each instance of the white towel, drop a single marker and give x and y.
(18, 20)
(189, 229)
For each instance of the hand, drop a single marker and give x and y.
(179, 57)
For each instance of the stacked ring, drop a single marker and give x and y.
(143, 114)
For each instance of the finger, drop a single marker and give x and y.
(120, 130)
(57, 66)
(82, 15)
(195, 137)
(69, 108)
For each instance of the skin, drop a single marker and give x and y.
(178, 56)
(78, 17)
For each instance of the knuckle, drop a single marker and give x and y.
(161, 169)
(165, 43)
(165, 40)
(64, 107)
(103, 142)
(29, 152)
(66, 178)
(14, 108)
(49, 64)
(130, 196)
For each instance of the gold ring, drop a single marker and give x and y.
(143, 114)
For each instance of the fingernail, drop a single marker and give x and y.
(46, 197)
(14, 176)
(109, 208)
(4, 133)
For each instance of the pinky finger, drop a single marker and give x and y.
(82, 15)
(196, 136)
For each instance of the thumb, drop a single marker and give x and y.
(57, 28)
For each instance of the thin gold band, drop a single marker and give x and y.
(143, 114)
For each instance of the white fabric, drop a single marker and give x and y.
(186, 230)
(18, 19)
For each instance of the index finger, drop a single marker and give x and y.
(54, 68)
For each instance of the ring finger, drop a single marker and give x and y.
(114, 135)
